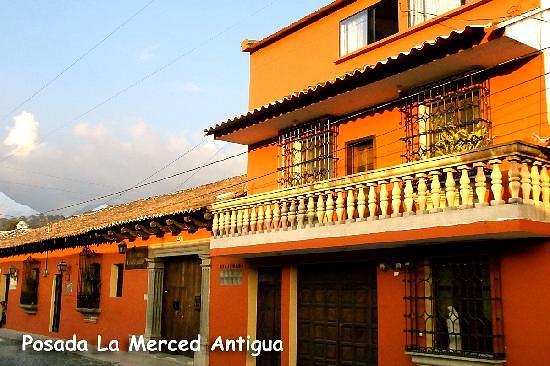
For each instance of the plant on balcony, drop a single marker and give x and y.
(454, 139)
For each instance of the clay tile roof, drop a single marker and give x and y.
(157, 206)
(427, 51)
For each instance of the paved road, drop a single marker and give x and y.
(11, 355)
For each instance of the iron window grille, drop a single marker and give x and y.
(89, 280)
(453, 307)
(445, 118)
(31, 275)
(307, 153)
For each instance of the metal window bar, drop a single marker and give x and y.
(446, 118)
(31, 275)
(89, 282)
(307, 153)
(453, 307)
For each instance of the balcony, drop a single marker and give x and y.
(491, 185)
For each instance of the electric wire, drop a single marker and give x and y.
(346, 118)
(76, 61)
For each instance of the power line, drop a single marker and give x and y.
(146, 184)
(345, 118)
(62, 178)
(151, 74)
(180, 186)
(76, 61)
(166, 166)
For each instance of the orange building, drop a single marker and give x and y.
(141, 268)
(398, 194)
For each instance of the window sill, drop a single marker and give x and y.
(29, 309)
(416, 28)
(426, 359)
(88, 310)
(90, 315)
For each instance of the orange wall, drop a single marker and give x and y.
(517, 107)
(525, 270)
(311, 55)
(110, 323)
(391, 322)
(228, 312)
(72, 322)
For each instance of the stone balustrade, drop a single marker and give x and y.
(512, 173)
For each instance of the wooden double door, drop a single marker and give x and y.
(268, 324)
(181, 301)
(337, 315)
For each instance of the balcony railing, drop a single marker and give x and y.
(511, 173)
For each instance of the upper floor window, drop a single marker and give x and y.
(446, 117)
(360, 156)
(29, 289)
(117, 280)
(368, 26)
(307, 153)
(89, 281)
(423, 10)
(453, 307)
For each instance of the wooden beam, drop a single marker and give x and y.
(134, 234)
(105, 236)
(146, 230)
(208, 216)
(180, 225)
(120, 236)
(165, 228)
(197, 222)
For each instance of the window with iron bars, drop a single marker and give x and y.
(29, 289)
(307, 153)
(453, 307)
(445, 118)
(89, 280)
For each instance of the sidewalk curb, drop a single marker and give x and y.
(122, 358)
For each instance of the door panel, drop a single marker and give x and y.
(268, 325)
(337, 315)
(181, 300)
(58, 289)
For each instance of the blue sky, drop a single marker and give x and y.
(125, 140)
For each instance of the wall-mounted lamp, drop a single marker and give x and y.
(122, 247)
(13, 273)
(62, 266)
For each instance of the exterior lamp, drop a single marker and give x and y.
(13, 272)
(62, 266)
(122, 247)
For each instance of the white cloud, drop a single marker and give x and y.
(84, 130)
(113, 156)
(139, 129)
(23, 135)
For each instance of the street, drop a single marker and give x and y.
(11, 355)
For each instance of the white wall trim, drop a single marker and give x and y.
(500, 213)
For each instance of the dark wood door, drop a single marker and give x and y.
(182, 298)
(268, 325)
(4, 306)
(7, 287)
(58, 289)
(337, 315)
